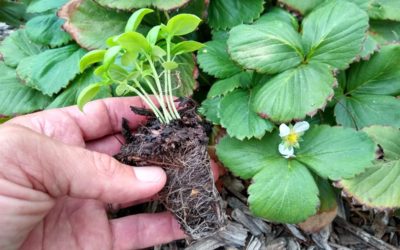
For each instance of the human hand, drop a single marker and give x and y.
(57, 175)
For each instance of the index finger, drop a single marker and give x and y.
(100, 118)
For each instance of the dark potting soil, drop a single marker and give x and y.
(180, 148)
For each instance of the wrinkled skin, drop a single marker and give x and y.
(57, 177)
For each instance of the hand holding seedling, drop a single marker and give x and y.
(57, 177)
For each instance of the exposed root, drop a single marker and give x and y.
(181, 149)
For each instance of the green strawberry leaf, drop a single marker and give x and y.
(248, 157)
(88, 94)
(360, 111)
(70, 95)
(129, 4)
(295, 93)
(184, 77)
(278, 14)
(370, 91)
(270, 48)
(385, 32)
(37, 6)
(378, 186)
(369, 47)
(303, 7)
(52, 70)
(223, 87)
(336, 153)
(17, 46)
(238, 117)
(227, 14)
(12, 13)
(85, 23)
(331, 152)
(17, 98)
(46, 29)
(384, 10)
(210, 109)
(332, 39)
(274, 193)
(214, 60)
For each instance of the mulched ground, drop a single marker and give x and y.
(354, 228)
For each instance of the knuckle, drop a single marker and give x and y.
(104, 164)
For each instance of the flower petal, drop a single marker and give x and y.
(301, 126)
(286, 151)
(284, 130)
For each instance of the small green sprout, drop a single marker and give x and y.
(143, 65)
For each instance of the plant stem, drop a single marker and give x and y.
(169, 82)
(158, 83)
(148, 101)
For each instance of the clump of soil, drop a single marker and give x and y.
(179, 147)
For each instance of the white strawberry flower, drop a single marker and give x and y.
(291, 136)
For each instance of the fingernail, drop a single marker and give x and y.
(149, 174)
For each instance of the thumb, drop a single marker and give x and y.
(59, 169)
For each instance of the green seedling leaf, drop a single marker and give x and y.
(117, 73)
(152, 35)
(182, 24)
(186, 47)
(370, 91)
(17, 98)
(329, 38)
(18, 46)
(100, 71)
(332, 152)
(87, 94)
(270, 48)
(227, 14)
(134, 42)
(210, 109)
(85, 21)
(91, 58)
(170, 65)
(136, 19)
(52, 70)
(225, 86)
(69, 96)
(214, 59)
(238, 117)
(295, 93)
(110, 55)
(37, 6)
(129, 4)
(46, 29)
(122, 89)
(158, 52)
(129, 58)
(378, 186)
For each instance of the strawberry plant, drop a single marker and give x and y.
(305, 92)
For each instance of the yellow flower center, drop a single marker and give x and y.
(292, 138)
